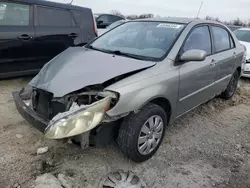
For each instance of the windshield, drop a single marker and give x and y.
(113, 25)
(243, 35)
(146, 40)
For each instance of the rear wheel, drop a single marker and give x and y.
(141, 134)
(231, 87)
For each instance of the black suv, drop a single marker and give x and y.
(32, 32)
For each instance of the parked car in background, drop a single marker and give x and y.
(105, 20)
(113, 25)
(233, 27)
(133, 81)
(32, 32)
(243, 35)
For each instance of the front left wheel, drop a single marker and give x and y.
(141, 134)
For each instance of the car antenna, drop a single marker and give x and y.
(71, 2)
(199, 10)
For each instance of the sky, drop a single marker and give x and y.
(224, 9)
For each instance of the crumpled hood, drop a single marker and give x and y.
(78, 67)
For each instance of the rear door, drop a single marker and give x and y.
(16, 38)
(197, 78)
(55, 31)
(225, 56)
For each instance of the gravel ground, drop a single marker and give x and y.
(208, 147)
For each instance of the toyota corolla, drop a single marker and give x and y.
(131, 82)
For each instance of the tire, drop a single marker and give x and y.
(231, 87)
(131, 130)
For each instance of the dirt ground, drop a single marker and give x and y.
(208, 147)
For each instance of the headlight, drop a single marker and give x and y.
(78, 119)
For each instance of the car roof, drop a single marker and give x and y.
(99, 14)
(52, 4)
(182, 20)
(244, 28)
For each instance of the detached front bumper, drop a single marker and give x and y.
(28, 114)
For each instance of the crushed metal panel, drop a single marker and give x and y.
(79, 67)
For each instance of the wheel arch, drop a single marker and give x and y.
(239, 69)
(163, 103)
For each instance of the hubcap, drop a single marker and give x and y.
(150, 135)
(121, 179)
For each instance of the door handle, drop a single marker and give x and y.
(213, 63)
(234, 55)
(73, 35)
(24, 37)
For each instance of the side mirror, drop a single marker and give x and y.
(193, 55)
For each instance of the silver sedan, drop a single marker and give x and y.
(133, 81)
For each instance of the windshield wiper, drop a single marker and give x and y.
(118, 52)
(97, 49)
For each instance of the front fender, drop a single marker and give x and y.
(133, 97)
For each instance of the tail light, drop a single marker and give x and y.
(95, 26)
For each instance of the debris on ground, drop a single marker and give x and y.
(42, 150)
(16, 185)
(65, 181)
(19, 136)
(47, 181)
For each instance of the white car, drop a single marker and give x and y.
(243, 35)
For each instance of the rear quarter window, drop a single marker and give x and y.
(54, 17)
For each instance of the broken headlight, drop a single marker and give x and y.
(79, 118)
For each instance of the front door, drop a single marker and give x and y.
(16, 38)
(197, 78)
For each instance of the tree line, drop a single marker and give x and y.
(236, 22)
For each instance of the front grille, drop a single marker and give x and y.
(44, 106)
(41, 101)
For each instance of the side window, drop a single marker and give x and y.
(221, 39)
(232, 44)
(103, 18)
(14, 14)
(114, 18)
(199, 39)
(54, 17)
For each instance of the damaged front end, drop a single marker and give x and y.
(68, 116)
(84, 112)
